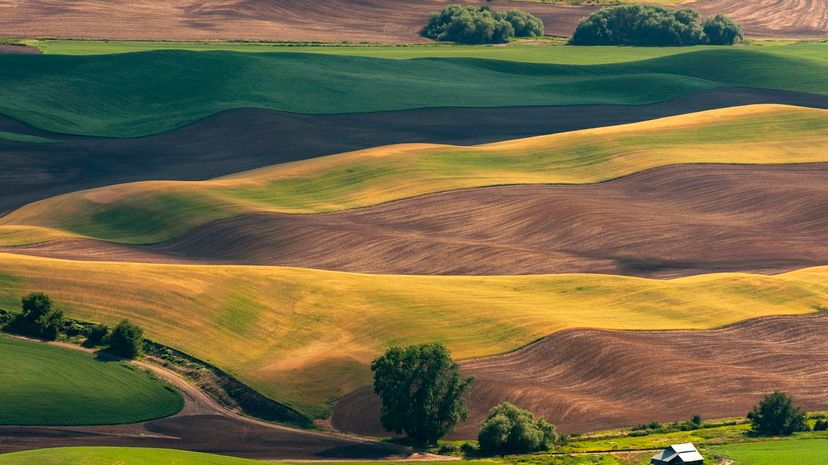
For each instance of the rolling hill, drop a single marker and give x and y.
(150, 212)
(49, 385)
(304, 337)
(99, 94)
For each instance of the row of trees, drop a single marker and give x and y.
(38, 318)
(422, 392)
(654, 25)
(470, 25)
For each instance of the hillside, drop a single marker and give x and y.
(337, 20)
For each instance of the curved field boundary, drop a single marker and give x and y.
(240, 140)
(151, 212)
(587, 380)
(136, 94)
(665, 222)
(203, 425)
(304, 337)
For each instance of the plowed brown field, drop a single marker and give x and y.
(665, 222)
(336, 20)
(293, 20)
(586, 380)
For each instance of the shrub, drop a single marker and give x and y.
(696, 420)
(96, 336)
(421, 390)
(126, 340)
(509, 429)
(775, 415)
(721, 30)
(821, 425)
(470, 25)
(38, 318)
(651, 25)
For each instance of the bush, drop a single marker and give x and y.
(470, 25)
(775, 415)
(721, 30)
(126, 340)
(421, 390)
(38, 318)
(509, 429)
(821, 425)
(97, 336)
(652, 25)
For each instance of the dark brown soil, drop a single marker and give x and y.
(216, 434)
(587, 380)
(244, 139)
(664, 222)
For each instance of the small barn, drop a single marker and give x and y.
(678, 454)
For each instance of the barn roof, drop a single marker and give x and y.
(686, 452)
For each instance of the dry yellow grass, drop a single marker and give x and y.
(304, 337)
(149, 212)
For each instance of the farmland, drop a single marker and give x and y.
(45, 385)
(257, 322)
(119, 213)
(276, 192)
(99, 88)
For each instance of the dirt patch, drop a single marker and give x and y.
(19, 49)
(665, 222)
(244, 139)
(587, 380)
(771, 18)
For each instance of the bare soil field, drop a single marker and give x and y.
(337, 20)
(587, 380)
(771, 18)
(18, 49)
(283, 20)
(245, 139)
(666, 222)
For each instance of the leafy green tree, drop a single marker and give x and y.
(470, 25)
(421, 390)
(38, 318)
(821, 425)
(721, 30)
(775, 415)
(97, 336)
(509, 429)
(652, 25)
(126, 340)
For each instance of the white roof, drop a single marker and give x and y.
(686, 452)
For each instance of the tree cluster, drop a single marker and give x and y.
(654, 26)
(470, 25)
(775, 415)
(37, 318)
(511, 430)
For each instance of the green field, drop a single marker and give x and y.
(147, 212)
(15, 137)
(135, 94)
(784, 452)
(118, 456)
(48, 385)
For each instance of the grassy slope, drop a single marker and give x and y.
(153, 211)
(141, 93)
(48, 385)
(783, 452)
(118, 456)
(305, 336)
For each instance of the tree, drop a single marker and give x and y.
(652, 25)
(696, 420)
(421, 390)
(721, 30)
(470, 25)
(97, 336)
(38, 318)
(821, 425)
(126, 340)
(509, 429)
(775, 415)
